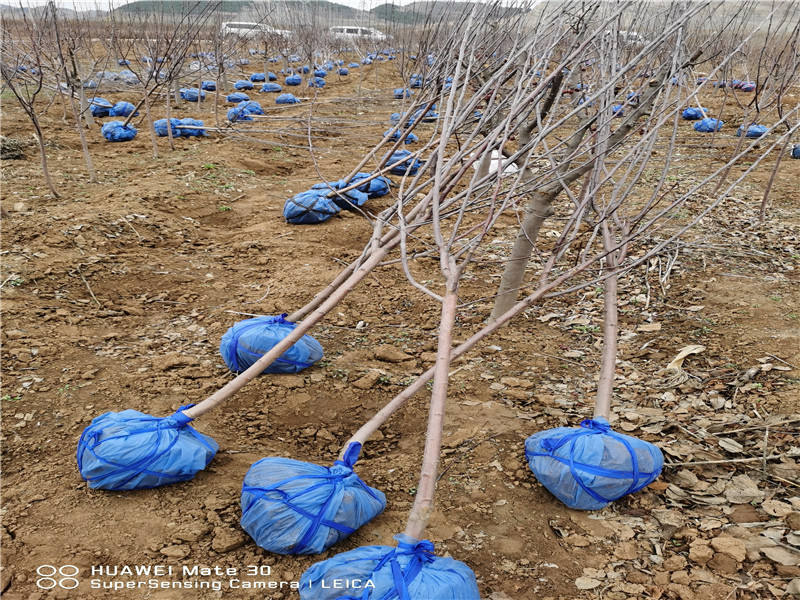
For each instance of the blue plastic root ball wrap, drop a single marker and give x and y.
(122, 109)
(753, 131)
(411, 571)
(294, 80)
(115, 131)
(243, 84)
(248, 340)
(271, 87)
(187, 122)
(258, 77)
(237, 97)
(317, 82)
(310, 207)
(130, 450)
(708, 125)
(238, 113)
(590, 466)
(295, 507)
(287, 99)
(403, 163)
(160, 127)
(193, 94)
(410, 138)
(100, 107)
(796, 151)
(693, 114)
(209, 86)
(251, 106)
(374, 188)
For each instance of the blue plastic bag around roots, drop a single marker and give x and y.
(693, 114)
(130, 450)
(590, 466)
(403, 163)
(115, 131)
(122, 109)
(411, 571)
(309, 207)
(248, 340)
(708, 125)
(295, 507)
(753, 131)
(287, 98)
(410, 138)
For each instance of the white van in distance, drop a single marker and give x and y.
(351, 32)
(251, 30)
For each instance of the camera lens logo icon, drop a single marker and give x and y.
(63, 577)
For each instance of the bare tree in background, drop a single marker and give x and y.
(23, 72)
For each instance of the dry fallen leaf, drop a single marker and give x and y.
(586, 583)
(677, 362)
(548, 316)
(776, 508)
(731, 446)
(649, 327)
(782, 556)
(743, 490)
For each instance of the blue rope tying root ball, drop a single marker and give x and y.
(411, 571)
(590, 466)
(248, 340)
(295, 507)
(130, 450)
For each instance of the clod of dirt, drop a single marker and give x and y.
(368, 381)
(178, 551)
(226, 539)
(730, 547)
(389, 353)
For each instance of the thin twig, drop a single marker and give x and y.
(783, 361)
(467, 451)
(725, 462)
(260, 299)
(91, 293)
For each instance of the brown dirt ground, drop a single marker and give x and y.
(115, 296)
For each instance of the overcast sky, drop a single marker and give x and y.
(106, 4)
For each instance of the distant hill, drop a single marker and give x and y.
(242, 7)
(16, 11)
(440, 10)
(180, 6)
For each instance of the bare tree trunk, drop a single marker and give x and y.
(43, 156)
(608, 360)
(176, 91)
(423, 501)
(150, 125)
(169, 125)
(539, 208)
(762, 213)
(85, 111)
(82, 133)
